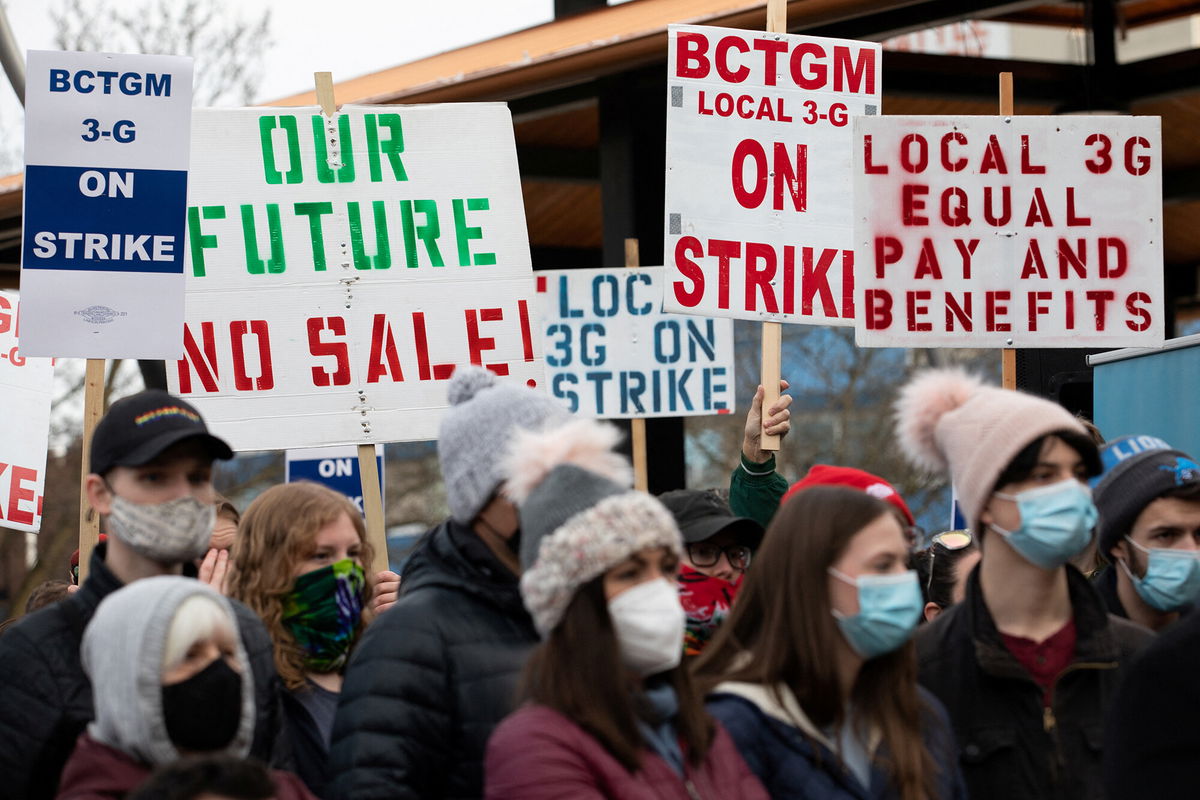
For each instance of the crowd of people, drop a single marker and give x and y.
(562, 635)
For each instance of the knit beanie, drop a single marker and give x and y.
(579, 518)
(1132, 484)
(475, 431)
(949, 421)
(826, 475)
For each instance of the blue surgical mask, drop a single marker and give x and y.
(1056, 523)
(1172, 579)
(889, 607)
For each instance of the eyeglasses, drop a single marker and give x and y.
(704, 554)
(950, 540)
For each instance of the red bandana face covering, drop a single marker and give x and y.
(706, 601)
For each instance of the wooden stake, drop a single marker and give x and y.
(1008, 356)
(772, 332)
(368, 470)
(93, 409)
(637, 427)
(324, 84)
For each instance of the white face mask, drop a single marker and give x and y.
(649, 621)
(167, 533)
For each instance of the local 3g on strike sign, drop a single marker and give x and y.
(758, 195)
(1009, 232)
(339, 269)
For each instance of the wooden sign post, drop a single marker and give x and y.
(772, 332)
(93, 409)
(368, 469)
(637, 426)
(1008, 364)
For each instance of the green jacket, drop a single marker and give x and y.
(756, 489)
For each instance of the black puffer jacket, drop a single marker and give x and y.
(1009, 744)
(46, 699)
(432, 677)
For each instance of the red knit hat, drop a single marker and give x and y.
(826, 475)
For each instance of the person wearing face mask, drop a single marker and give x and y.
(299, 562)
(717, 548)
(433, 675)
(171, 679)
(608, 711)
(150, 479)
(1028, 662)
(814, 674)
(1149, 531)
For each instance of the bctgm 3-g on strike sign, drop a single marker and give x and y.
(758, 199)
(340, 269)
(106, 159)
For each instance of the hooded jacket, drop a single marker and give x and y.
(432, 677)
(793, 758)
(47, 699)
(1010, 743)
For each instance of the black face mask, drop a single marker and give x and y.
(202, 713)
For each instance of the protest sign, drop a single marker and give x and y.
(340, 268)
(611, 352)
(759, 172)
(1008, 232)
(335, 467)
(106, 158)
(24, 425)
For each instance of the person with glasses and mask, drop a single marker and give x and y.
(943, 568)
(718, 548)
(1027, 664)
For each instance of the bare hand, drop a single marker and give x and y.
(778, 423)
(214, 569)
(387, 589)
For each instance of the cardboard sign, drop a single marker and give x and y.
(26, 385)
(1008, 232)
(335, 467)
(340, 269)
(611, 352)
(758, 197)
(106, 158)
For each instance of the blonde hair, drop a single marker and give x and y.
(275, 535)
(198, 618)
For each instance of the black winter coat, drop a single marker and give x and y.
(1010, 745)
(432, 676)
(46, 698)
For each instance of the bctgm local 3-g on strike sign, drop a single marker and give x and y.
(106, 154)
(758, 198)
(611, 351)
(1009, 232)
(340, 269)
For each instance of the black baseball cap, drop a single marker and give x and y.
(138, 428)
(701, 514)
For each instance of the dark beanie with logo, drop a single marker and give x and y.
(1132, 484)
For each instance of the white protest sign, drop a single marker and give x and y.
(106, 158)
(1009, 232)
(340, 269)
(611, 352)
(26, 384)
(758, 198)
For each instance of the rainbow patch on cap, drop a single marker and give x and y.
(166, 411)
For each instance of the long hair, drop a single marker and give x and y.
(275, 535)
(578, 672)
(782, 633)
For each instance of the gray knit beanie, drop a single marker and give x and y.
(1132, 484)
(579, 518)
(475, 432)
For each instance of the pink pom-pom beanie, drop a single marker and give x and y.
(949, 421)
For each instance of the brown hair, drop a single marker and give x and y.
(578, 672)
(782, 633)
(277, 533)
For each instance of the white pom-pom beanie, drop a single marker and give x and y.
(475, 432)
(949, 421)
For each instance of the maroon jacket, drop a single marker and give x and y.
(96, 771)
(538, 754)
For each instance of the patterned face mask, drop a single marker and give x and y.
(322, 612)
(706, 601)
